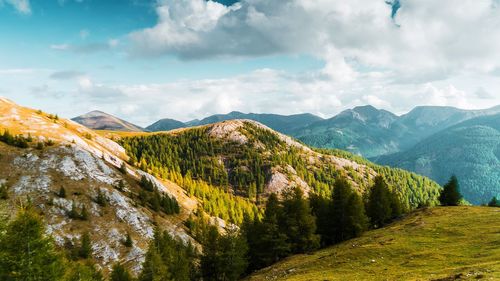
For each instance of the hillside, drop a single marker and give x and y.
(471, 150)
(455, 243)
(60, 153)
(98, 120)
(251, 160)
(372, 132)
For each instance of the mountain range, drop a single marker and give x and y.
(113, 185)
(389, 139)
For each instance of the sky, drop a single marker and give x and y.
(143, 60)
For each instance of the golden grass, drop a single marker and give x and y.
(453, 243)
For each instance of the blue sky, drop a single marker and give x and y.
(185, 59)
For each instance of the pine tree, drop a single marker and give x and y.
(62, 192)
(120, 273)
(4, 195)
(85, 250)
(101, 199)
(231, 261)
(494, 202)
(378, 207)
(84, 214)
(266, 243)
(31, 258)
(86, 271)
(209, 259)
(154, 269)
(123, 168)
(450, 195)
(73, 213)
(298, 223)
(128, 242)
(348, 218)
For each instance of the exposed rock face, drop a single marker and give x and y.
(84, 163)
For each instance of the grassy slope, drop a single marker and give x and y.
(431, 244)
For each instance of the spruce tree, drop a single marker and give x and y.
(84, 214)
(494, 202)
(298, 223)
(120, 273)
(266, 243)
(231, 260)
(450, 195)
(85, 250)
(154, 269)
(209, 259)
(26, 253)
(348, 218)
(62, 192)
(4, 195)
(86, 271)
(128, 242)
(379, 203)
(101, 199)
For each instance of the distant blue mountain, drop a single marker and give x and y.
(281, 123)
(470, 150)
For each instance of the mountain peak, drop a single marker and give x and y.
(99, 120)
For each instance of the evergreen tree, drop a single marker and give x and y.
(123, 168)
(348, 218)
(4, 195)
(84, 214)
(322, 210)
(298, 223)
(26, 254)
(85, 250)
(128, 242)
(450, 195)
(494, 202)
(266, 243)
(62, 192)
(101, 199)
(231, 260)
(73, 213)
(86, 271)
(209, 259)
(378, 207)
(154, 269)
(224, 257)
(120, 273)
(397, 208)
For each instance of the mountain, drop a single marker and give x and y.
(362, 130)
(470, 150)
(165, 125)
(373, 132)
(251, 161)
(424, 121)
(430, 244)
(42, 154)
(98, 120)
(280, 123)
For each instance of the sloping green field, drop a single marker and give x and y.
(452, 243)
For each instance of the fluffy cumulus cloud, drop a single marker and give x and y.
(437, 37)
(413, 52)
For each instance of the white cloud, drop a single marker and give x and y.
(22, 6)
(432, 40)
